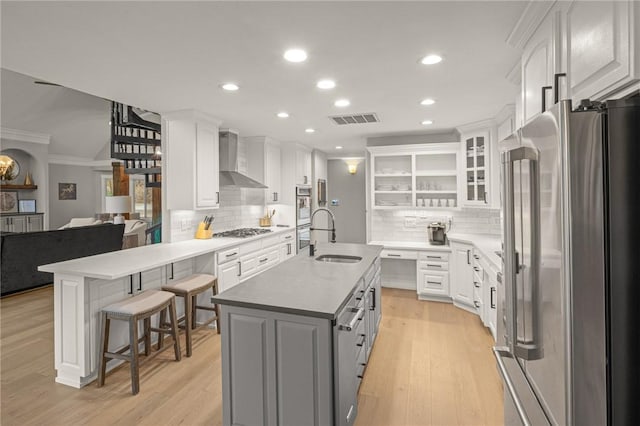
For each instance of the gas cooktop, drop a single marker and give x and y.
(242, 232)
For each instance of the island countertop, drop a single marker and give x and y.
(120, 263)
(303, 285)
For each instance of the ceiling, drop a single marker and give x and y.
(166, 56)
(77, 123)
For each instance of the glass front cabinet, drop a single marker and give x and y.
(476, 154)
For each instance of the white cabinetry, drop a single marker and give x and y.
(540, 61)
(191, 161)
(303, 166)
(462, 275)
(21, 223)
(602, 51)
(263, 164)
(420, 176)
(594, 43)
(433, 275)
(476, 150)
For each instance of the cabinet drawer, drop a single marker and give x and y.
(433, 265)
(267, 259)
(434, 256)
(248, 265)
(399, 254)
(433, 282)
(271, 241)
(288, 237)
(228, 254)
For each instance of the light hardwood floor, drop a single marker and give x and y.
(431, 365)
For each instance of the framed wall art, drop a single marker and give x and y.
(8, 202)
(66, 191)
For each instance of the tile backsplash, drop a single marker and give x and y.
(239, 208)
(411, 225)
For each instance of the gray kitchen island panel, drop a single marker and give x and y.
(276, 368)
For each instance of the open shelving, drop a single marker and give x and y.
(424, 176)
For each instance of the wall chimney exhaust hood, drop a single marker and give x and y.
(229, 175)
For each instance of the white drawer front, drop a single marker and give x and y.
(433, 283)
(288, 237)
(271, 241)
(228, 254)
(438, 256)
(433, 265)
(399, 254)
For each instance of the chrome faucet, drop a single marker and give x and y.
(332, 229)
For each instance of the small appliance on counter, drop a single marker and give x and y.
(437, 233)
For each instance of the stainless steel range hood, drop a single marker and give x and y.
(229, 175)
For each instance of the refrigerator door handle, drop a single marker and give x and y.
(499, 352)
(527, 350)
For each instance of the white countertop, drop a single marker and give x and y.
(410, 245)
(485, 243)
(118, 264)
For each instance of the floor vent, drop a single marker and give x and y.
(355, 119)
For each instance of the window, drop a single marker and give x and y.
(142, 196)
(106, 189)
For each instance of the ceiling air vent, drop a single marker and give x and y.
(355, 119)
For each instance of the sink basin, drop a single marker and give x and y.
(338, 258)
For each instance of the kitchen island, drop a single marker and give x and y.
(295, 339)
(83, 286)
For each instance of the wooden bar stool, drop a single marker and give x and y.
(189, 288)
(134, 309)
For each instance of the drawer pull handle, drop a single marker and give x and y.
(475, 268)
(264, 260)
(434, 266)
(476, 284)
(362, 342)
(434, 282)
(434, 257)
(232, 254)
(477, 305)
(394, 255)
(475, 256)
(288, 237)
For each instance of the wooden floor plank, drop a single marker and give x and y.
(432, 364)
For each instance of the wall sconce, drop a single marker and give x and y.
(352, 164)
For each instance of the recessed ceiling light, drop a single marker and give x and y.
(283, 114)
(427, 122)
(230, 87)
(295, 55)
(427, 102)
(338, 147)
(326, 84)
(309, 130)
(342, 103)
(431, 59)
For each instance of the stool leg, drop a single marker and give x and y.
(188, 315)
(133, 353)
(174, 329)
(216, 307)
(104, 347)
(194, 310)
(147, 336)
(161, 321)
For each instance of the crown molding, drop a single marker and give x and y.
(506, 111)
(68, 160)
(528, 23)
(24, 136)
(192, 115)
(482, 124)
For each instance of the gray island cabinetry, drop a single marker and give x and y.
(296, 339)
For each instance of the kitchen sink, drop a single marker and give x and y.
(338, 258)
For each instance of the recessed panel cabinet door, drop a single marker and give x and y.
(600, 47)
(207, 178)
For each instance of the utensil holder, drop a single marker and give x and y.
(265, 221)
(204, 234)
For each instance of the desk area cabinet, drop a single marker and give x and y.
(21, 222)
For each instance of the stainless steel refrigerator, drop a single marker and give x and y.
(569, 305)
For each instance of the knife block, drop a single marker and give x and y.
(204, 234)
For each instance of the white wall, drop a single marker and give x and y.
(61, 211)
(319, 171)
